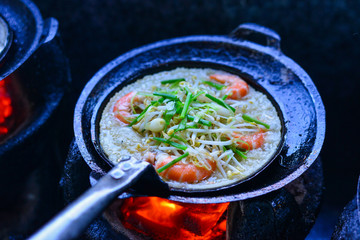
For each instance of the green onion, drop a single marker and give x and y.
(179, 107)
(169, 114)
(182, 125)
(215, 85)
(157, 103)
(224, 97)
(198, 94)
(168, 96)
(187, 90)
(186, 105)
(250, 119)
(173, 81)
(144, 94)
(201, 121)
(172, 162)
(242, 141)
(178, 138)
(191, 125)
(141, 115)
(220, 102)
(241, 154)
(174, 144)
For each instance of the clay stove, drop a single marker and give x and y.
(288, 213)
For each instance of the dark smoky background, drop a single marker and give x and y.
(321, 36)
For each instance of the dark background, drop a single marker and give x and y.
(321, 36)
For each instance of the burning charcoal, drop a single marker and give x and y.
(15, 109)
(165, 219)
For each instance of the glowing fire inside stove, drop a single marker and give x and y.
(5, 107)
(164, 219)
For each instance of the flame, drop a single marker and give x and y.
(5, 107)
(164, 219)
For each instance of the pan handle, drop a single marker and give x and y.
(74, 219)
(245, 29)
(50, 30)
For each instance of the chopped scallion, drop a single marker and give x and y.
(201, 121)
(186, 105)
(244, 143)
(220, 102)
(215, 85)
(172, 162)
(191, 125)
(182, 125)
(141, 115)
(236, 151)
(156, 103)
(250, 119)
(168, 96)
(187, 90)
(174, 144)
(241, 154)
(198, 94)
(173, 81)
(179, 138)
(169, 114)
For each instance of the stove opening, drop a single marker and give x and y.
(164, 219)
(13, 107)
(6, 109)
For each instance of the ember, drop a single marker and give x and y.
(5, 108)
(14, 107)
(164, 219)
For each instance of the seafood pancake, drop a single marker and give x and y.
(200, 128)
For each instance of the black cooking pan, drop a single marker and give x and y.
(266, 69)
(29, 31)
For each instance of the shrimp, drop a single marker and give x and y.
(237, 88)
(122, 107)
(150, 157)
(250, 142)
(184, 172)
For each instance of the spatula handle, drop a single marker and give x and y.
(73, 220)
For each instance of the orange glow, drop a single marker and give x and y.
(164, 219)
(5, 107)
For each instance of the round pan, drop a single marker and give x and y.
(265, 67)
(99, 108)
